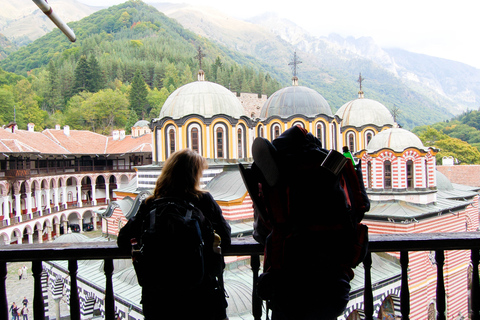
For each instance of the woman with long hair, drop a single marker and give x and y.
(161, 298)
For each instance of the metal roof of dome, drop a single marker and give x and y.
(142, 123)
(203, 98)
(295, 100)
(443, 183)
(361, 111)
(397, 139)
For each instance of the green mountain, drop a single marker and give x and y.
(121, 40)
(242, 56)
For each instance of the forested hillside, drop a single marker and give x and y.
(459, 137)
(127, 60)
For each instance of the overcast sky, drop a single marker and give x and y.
(445, 29)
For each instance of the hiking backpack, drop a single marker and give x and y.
(172, 245)
(308, 203)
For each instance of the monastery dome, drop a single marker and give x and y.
(295, 100)
(397, 139)
(443, 184)
(360, 112)
(203, 98)
(142, 123)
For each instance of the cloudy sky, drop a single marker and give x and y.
(446, 29)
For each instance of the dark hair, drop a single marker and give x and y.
(180, 176)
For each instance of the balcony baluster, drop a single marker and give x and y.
(405, 291)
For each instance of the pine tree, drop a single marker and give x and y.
(95, 80)
(81, 75)
(138, 96)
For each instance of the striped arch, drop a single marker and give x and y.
(395, 295)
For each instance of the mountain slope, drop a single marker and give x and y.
(328, 65)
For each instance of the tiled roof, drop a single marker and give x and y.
(466, 175)
(54, 141)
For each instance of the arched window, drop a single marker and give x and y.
(355, 315)
(410, 174)
(369, 174)
(260, 131)
(276, 131)
(240, 143)
(426, 173)
(387, 174)
(351, 141)
(300, 124)
(319, 132)
(219, 136)
(221, 141)
(387, 309)
(368, 137)
(194, 140)
(171, 141)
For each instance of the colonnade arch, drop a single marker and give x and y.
(47, 228)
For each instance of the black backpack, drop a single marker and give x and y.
(173, 245)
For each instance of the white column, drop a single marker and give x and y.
(19, 238)
(94, 195)
(209, 143)
(79, 195)
(56, 197)
(65, 196)
(47, 200)
(40, 235)
(29, 203)
(5, 208)
(107, 192)
(30, 237)
(18, 208)
(38, 200)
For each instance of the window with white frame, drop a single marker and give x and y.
(195, 138)
(276, 131)
(171, 140)
(320, 131)
(220, 131)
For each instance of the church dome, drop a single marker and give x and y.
(396, 139)
(203, 98)
(295, 100)
(443, 184)
(142, 123)
(360, 112)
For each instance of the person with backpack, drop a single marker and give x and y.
(308, 204)
(175, 239)
(14, 311)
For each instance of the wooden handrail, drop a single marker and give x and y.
(108, 250)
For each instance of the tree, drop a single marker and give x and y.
(27, 106)
(110, 109)
(95, 81)
(156, 99)
(7, 102)
(138, 96)
(81, 75)
(171, 76)
(458, 149)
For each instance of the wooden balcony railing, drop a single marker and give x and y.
(107, 251)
